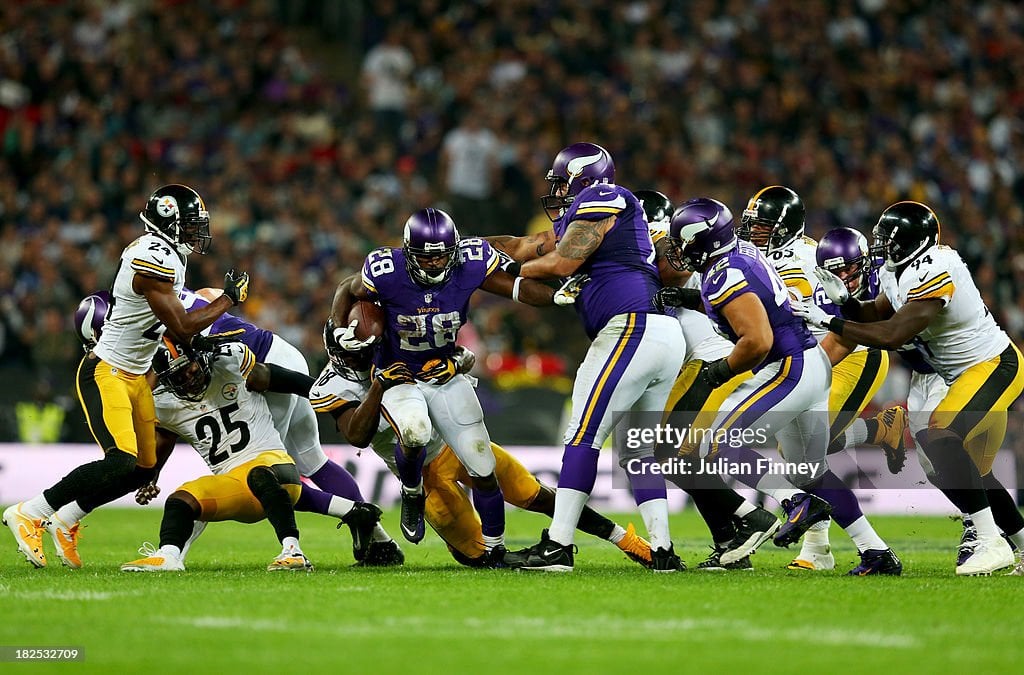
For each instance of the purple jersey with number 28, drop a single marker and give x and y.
(423, 322)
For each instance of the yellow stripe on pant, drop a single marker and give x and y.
(855, 381)
(706, 410)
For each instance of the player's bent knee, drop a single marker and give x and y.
(416, 433)
(261, 480)
(118, 463)
(186, 498)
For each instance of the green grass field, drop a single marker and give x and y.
(227, 615)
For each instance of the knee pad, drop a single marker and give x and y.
(415, 433)
(262, 480)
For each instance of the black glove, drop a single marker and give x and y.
(393, 375)
(507, 263)
(236, 286)
(438, 371)
(716, 373)
(675, 296)
(208, 343)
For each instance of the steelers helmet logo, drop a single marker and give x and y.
(167, 206)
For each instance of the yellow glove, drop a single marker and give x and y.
(438, 371)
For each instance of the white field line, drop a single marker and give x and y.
(539, 628)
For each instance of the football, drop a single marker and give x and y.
(372, 320)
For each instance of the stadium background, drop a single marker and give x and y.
(313, 129)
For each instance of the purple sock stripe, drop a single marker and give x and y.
(410, 472)
(312, 500)
(579, 468)
(751, 457)
(334, 478)
(491, 507)
(611, 374)
(646, 485)
(845, 508)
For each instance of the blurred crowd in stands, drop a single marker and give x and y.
(311, 148)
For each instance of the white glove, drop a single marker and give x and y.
(810, 313)
(570, 289)
(346, 337)
(834, 287)
(464, 359)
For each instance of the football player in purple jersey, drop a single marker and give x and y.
(600, 233)
(786, 397)
(424, 288)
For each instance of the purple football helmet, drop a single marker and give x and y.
(430, 234)
(575, 168)
(844, 252)
(701, 229)
(89, 317)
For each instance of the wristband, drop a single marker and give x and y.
(515, 289)
(513, 268)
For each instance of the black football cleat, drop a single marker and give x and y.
(713, 563)
(665, 560)
(382, 554)
(874, 561)
(544, 556)
(361, 521)
(752, 530)
(412, 523)
(801, 512)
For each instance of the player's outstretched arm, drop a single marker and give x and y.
(270, 377)
(894, 332)
(525, 248)
(526, 291)
(168, 309)
(580, 240)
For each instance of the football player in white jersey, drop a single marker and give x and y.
(210, 400)
(927, 296)
(348, 392)
(111, 382)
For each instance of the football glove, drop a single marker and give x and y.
(438, 371)
(810, 313)
(208, 343)
(507, 263)
(675, 296)
(570, 289)
(464, 359)
(716, 373)
(236, 286)
(393, 375)
(347, 340)
(834, 287)
(147, 493)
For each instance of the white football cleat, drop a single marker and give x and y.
(989, 555)
(28, 532)
(290, 561)
(811, 560)
(1018, 569)
(153, 560)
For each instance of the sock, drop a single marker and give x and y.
(177, 524)
(985, 524)
(333, 478)
(715, 506)
(592, 522)
(410, 469)
(817, 535)
(618, 532)
(197, 529)
(491, 507)
(275, 500)
(38, 508)
(290, 545)
(70, 513)
(1018, 540)
(955, 475)
(380, 534)
(90, 478)
(655, 515)
(744, 509)
(170, 551)
(845, 508)
(318, 501)
(124, 485)
(871, 427)
(568, 505)
(646, 486)
(579, 469)
(864, 536)
(1004, 508)
(857, 433)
